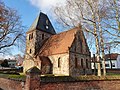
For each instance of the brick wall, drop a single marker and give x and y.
(7, 84)
(86, 85)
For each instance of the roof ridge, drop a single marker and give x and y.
(68, 30)
(113, 53)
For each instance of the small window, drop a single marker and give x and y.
(76, 62)
(113, 64)
(30, 36)
(30, 51)
(59, 62)
(42, 36)
(82, 63)
(106, 65)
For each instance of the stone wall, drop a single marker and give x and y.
(63, 68)
(80, 51)
(41, 38)
(34, 44)
(81, 68)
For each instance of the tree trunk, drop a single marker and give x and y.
(103, 57)
(110, 57)
(102, 46)
(97, 54)
(94, 64)
(104, 69)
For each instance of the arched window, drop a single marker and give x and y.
(30, 36)
(42, 36)
(82, 64)
(59, 62)
(76, 62)
(30, 51)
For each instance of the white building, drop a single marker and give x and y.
(12, 63)
(112, 60)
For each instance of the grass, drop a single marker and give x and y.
(113, 74)
(13, 76)
(93, 77)
(109, 76)
(17, 77)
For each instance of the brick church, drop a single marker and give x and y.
(65, 53)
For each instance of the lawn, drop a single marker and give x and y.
(13, 76)
(52, 78)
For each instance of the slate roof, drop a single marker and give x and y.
(58, 43)
(112, 56)
(41, 22)
(34, 24)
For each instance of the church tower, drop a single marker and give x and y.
(38, 33)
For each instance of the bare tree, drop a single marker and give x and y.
(11, 28)
(112, 21)
(90, 14)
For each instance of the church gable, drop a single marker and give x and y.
(79, 55)
(79, 44)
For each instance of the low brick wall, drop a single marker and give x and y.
(116, 71)
(84, 85)
(7, 84)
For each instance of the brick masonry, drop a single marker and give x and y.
(86, 85)
(6, 84)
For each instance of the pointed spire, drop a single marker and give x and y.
(34, 24)
(42, 23)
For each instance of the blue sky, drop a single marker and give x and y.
(27, 13)
(25, 10)
(29, 10)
